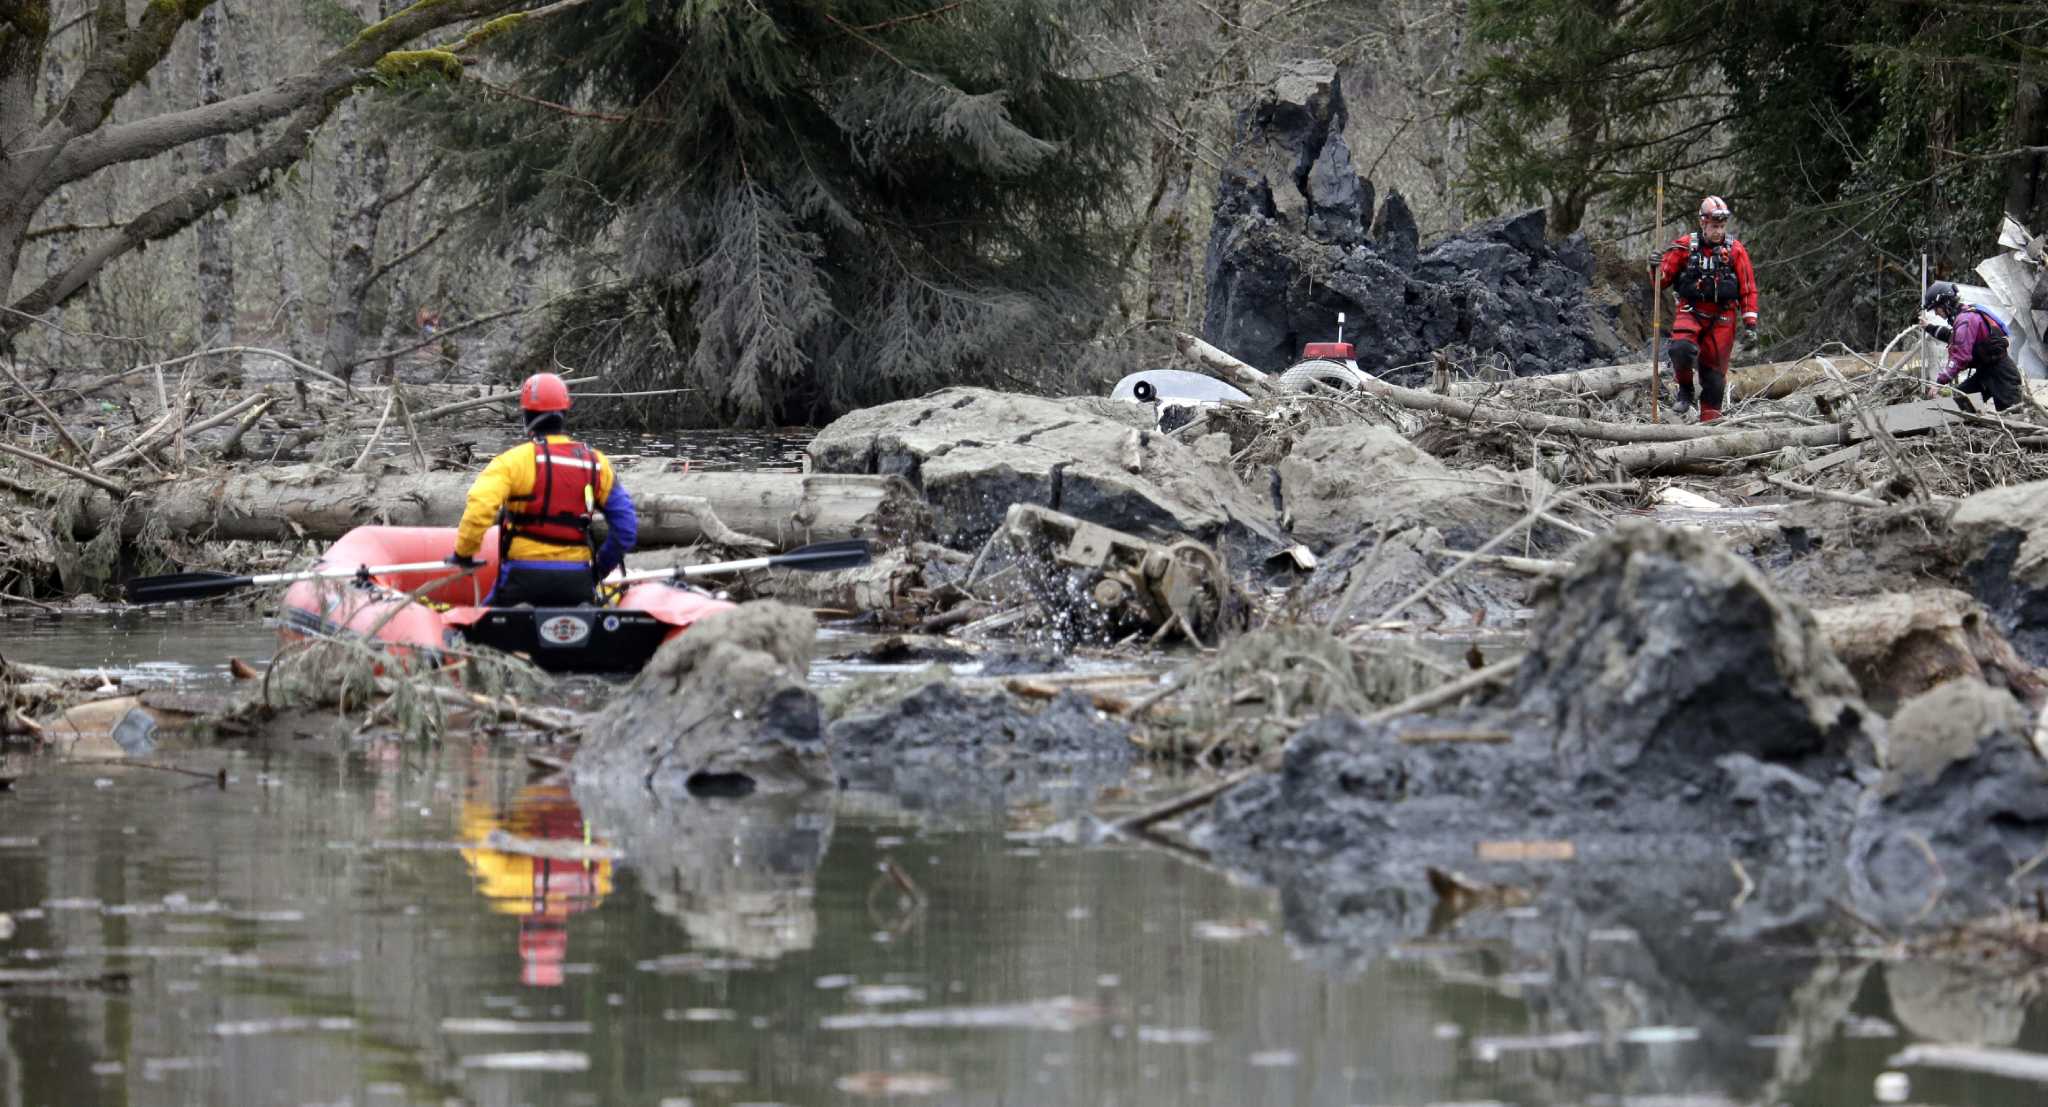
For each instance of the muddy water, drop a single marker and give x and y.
(324, 930)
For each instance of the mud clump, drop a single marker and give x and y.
(2004, 535)
(723, 709)
(1672, 711)
(1663, 648)
(1962, 806)
(941, 747)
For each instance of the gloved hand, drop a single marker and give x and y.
(463, 561)
(1940, 332)
(1749, 336)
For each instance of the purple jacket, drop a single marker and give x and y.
(1972, 324)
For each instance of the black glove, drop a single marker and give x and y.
(464, 561)
(1749, 336)
(1940, 332)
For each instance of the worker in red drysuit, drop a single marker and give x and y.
(1711, 274)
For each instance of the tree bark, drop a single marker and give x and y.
(291, 297)
(1720, 447)
(288, 503)
(1770, 380)
(75, 141)
(358, 213)
(2026, 174)
(1493, 411)
(216, 243)
(1169, 239)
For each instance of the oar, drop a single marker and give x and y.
(820, 557)
(200, 585)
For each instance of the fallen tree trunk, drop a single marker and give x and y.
(1769, 381)
(312, 502)
(1720, 447)
(1495, 410)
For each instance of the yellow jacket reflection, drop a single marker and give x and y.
(543, 893)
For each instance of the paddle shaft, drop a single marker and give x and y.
(820, 557)
(347, 574)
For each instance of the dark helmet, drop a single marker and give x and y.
(1941, 296)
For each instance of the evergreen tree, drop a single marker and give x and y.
(1577, 101)
(1871, 133)
(820, 203)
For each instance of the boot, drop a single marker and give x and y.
(1682, 401)
(1709, 414)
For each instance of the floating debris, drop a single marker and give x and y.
(1060, 1013)
(872, 1085)
(1175, 1035)
(1274, 1059)
(875, 995)
(1236, 931)
(1539, 850)
(511, 1026)
(2012, 1064)
(551, 849)
(544, 1060)
(291, 1024)
(1489, 1049)
(693, 962)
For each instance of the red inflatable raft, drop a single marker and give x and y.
(615, 638)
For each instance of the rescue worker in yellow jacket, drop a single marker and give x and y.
(546, 494)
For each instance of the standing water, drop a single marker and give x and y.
(332, 925)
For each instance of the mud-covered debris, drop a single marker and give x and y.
(1246, 698)
(940, 720)
(1459, 893)
(1661, 647)
(973, 453)
(1289, 249)
(2004, 534)
(1099, 584)
(1900, 645)
(1366, 577)
(723, 709)
(1337, 479)
(1961, 811)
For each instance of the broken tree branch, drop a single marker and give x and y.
(1218, 364)
(93, 479)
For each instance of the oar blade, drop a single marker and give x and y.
(184, 586)
(847, 553)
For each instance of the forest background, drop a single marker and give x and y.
(789, 208)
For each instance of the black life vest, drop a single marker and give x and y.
(1709, 273)
(565, 490)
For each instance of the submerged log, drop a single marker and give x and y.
(288, 503)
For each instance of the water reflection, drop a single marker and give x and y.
(324, 930)
(739, 875)
(541, 892)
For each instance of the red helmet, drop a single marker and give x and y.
(544, 392)
(1713, 207)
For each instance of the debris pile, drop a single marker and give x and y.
(1296, 239)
